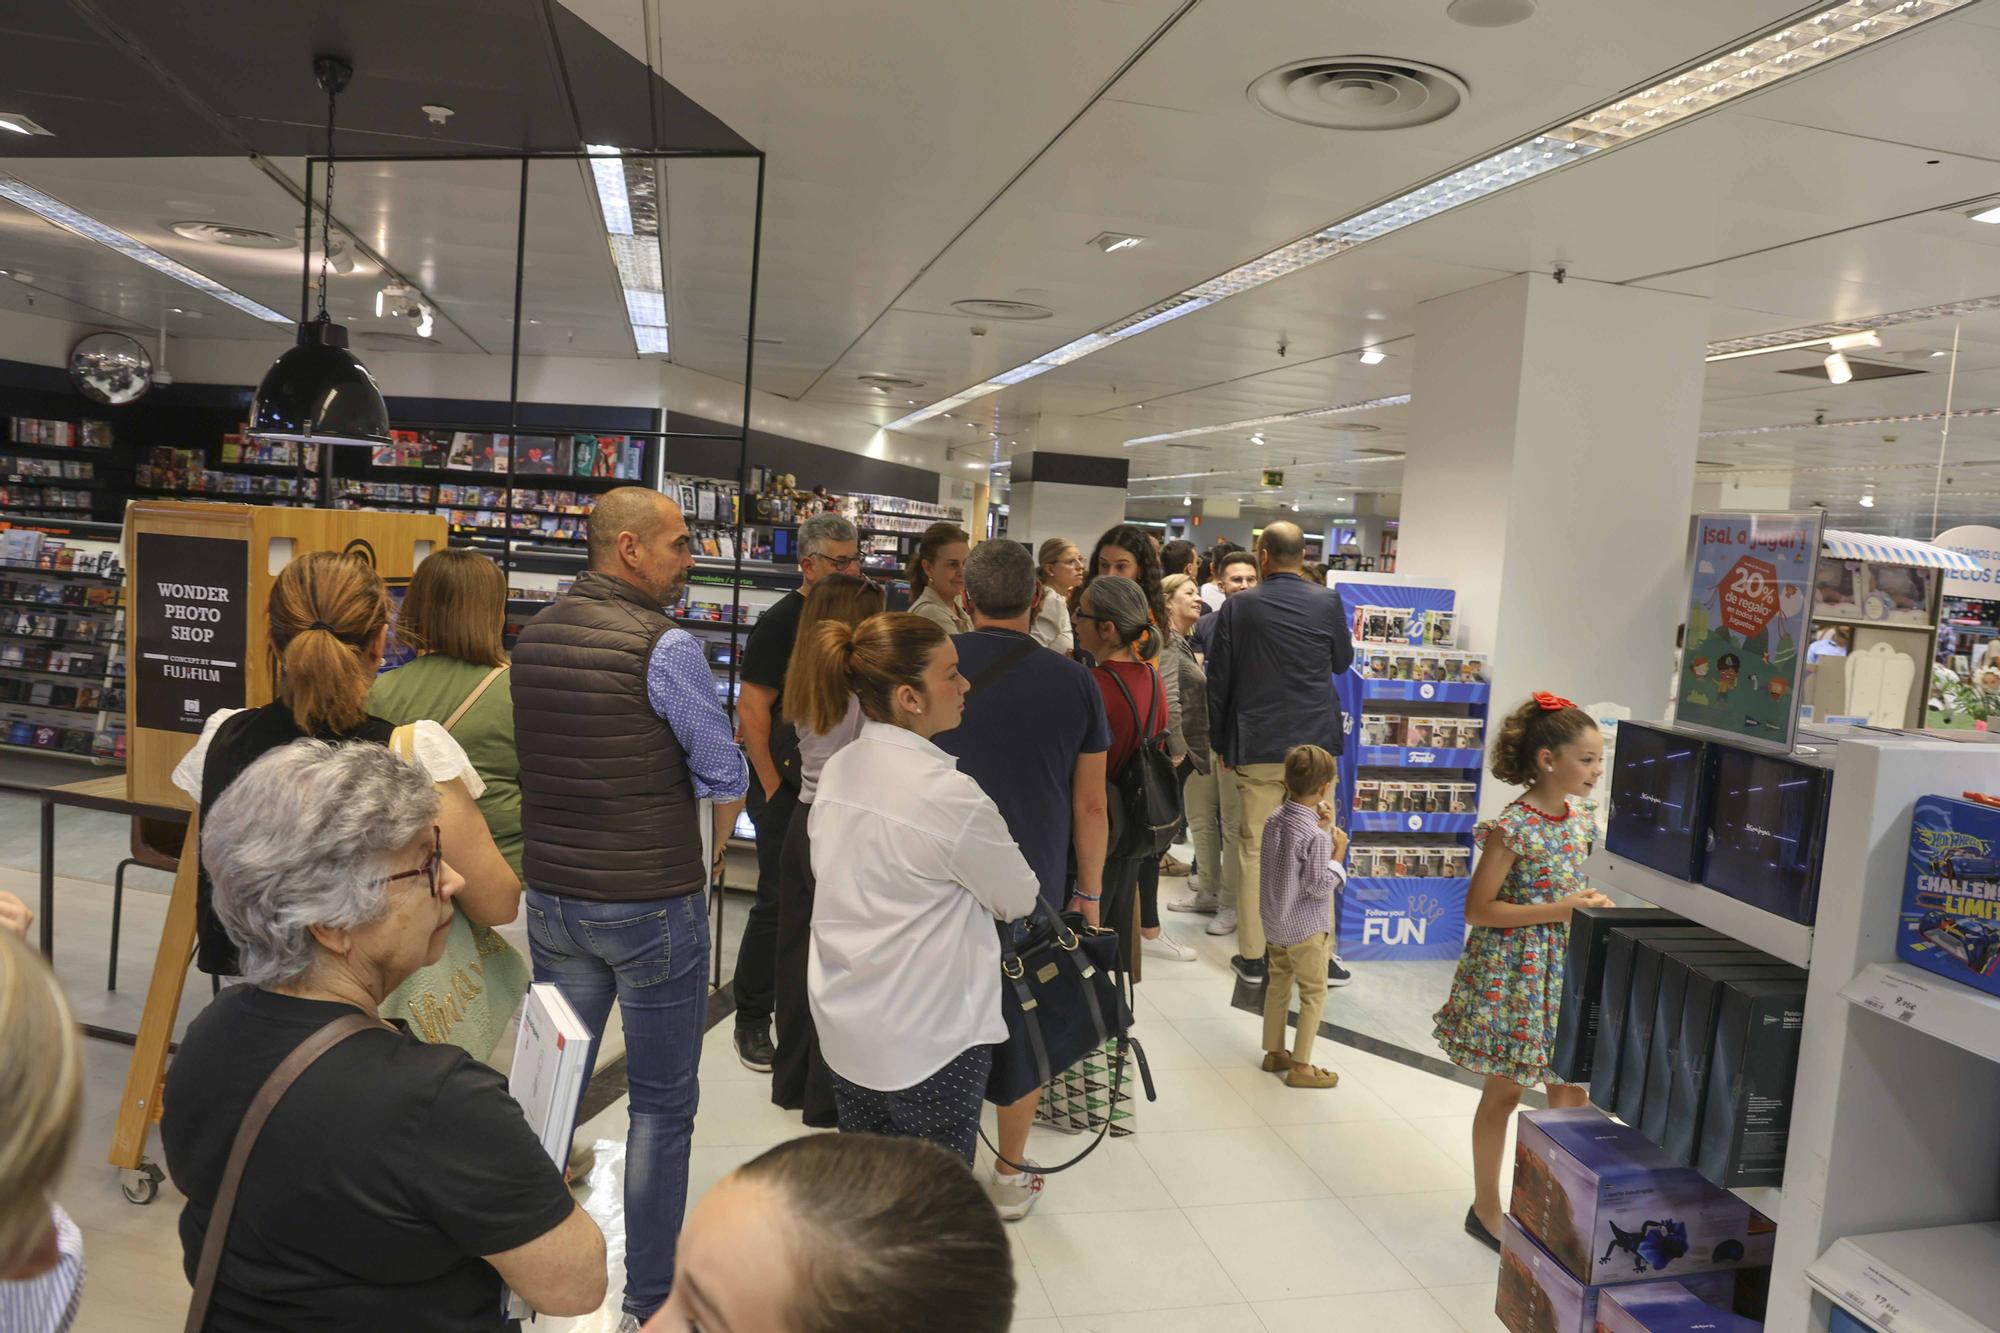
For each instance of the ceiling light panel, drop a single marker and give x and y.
(1365, 405)
(60, 213)
(628, 198)
(1761, 64)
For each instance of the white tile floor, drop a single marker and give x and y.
(1239, 1204)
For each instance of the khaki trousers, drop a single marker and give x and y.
(1260, 790)
(1203, 799)
(1305, 965)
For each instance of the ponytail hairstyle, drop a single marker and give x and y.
(326, 609)
(1544, 722)
(815, 699)
(871, 659)
(936, 537)
(1119, 601)
(1137, 543)
(886, 1234)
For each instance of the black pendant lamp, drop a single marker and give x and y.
(319, 391)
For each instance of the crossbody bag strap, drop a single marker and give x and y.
(466, 705)
(1001, 665)
(1145, 727)
(266, 1100)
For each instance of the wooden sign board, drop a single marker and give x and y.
(199, 585)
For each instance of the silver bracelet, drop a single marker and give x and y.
(1088, 897)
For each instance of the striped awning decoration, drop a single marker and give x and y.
(1895, 551)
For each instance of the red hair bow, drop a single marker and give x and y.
(1551, 703)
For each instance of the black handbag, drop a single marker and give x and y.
(1063, 993)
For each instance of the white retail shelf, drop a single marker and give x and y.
(1930, 1003)
(1718, 911)
(1932, 1280)
(1766, 1199)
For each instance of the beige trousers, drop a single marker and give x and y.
(1260, 790)
(1305, 965)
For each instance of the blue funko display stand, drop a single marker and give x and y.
(1404, 918)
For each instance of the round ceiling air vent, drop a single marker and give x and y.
(1002, 309)
(1351, 427)
(888, 382)
(223, 233)
(1359, 93)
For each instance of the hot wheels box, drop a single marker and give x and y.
(1951, 892)
(1614, 1207)
(1538, 1295)
(1664, 1307)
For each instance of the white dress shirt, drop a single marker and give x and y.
(914, 864)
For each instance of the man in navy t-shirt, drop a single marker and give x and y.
(1033, 738)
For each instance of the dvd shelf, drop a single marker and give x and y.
(61, 648)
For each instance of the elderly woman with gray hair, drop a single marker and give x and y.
(396, 1184)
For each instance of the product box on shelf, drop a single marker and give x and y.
(1753, 1063)
(1766, 828)
(1665, 1307)
(1635, 1046)
(1839, 1321)
(1539, 1295)
(1694, 1046)
(1583, 980)
(1950, 922)
(1660, 787)
(1613, 1207)
(1663, 1043)
(1614, 998)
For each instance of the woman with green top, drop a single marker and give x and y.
(453, 614)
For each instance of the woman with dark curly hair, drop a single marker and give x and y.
(1126, 552)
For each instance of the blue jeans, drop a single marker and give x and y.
(652, 957)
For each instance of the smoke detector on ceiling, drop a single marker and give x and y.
(985, 309)
(1359, 93)
(223, 233)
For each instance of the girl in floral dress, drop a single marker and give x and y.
(1500, 1021)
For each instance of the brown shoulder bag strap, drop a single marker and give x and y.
(268, 1097)
(466, 705)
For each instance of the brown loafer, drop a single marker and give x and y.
(1277, 1062)
(1310, 1076)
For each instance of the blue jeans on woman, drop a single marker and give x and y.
(652, 957)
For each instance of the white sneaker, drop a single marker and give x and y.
(1224, 923)
(1014, 1196)
(1166, 946)
(1193, 903)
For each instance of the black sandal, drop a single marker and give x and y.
(1477, 1230)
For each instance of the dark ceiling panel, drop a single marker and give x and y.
(132, 78)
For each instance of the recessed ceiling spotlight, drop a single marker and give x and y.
(1110, 242)
(438, 114)
(1867, 500)
(1490, 13)
(1295, 506)
(20, 124)
(224, 233)
(1373, 356)
(1985, 213)
(1837, 369)
(1258, 438)
(1187, 502)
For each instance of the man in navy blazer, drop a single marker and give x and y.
(1273, 655)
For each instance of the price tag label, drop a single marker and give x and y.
(1895, 996)
(1877, 1297)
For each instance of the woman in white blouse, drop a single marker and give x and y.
(1058, 569)
(328, 619)
(913, 866)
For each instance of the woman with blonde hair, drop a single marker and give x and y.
(827, 717)
(1058, 569)
(41, 1106)
(329, 618)
(453, 616)
(914, 864)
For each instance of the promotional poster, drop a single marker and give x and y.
(1749, 603)
(190, 625)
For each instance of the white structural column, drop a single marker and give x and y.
(1074, 496)
(1766, 493)
(1550, 471)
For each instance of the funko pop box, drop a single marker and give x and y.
(1664, 1307)
(1613, 1207)
(1538, 1295)
(1950, 923)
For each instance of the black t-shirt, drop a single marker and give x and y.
(1019, 740)
(377, 1183)
(768, 653)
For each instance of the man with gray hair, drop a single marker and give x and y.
(1034, 738)
(828, 544)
